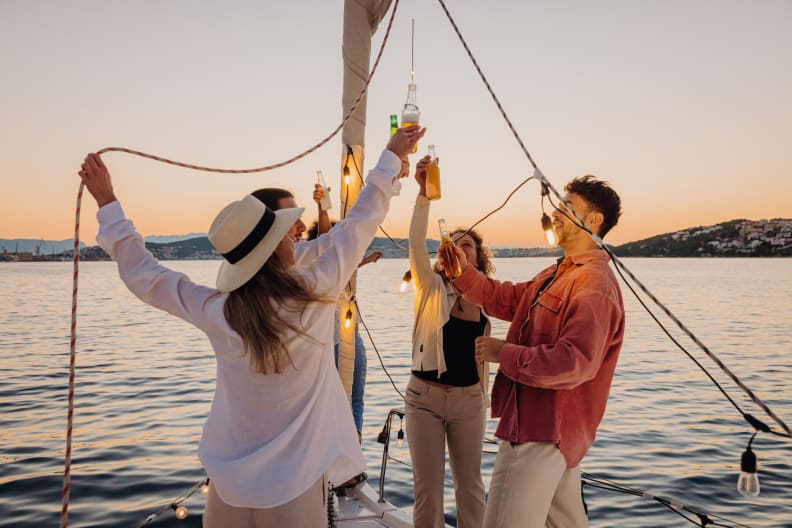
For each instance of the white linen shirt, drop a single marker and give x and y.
(268, 438)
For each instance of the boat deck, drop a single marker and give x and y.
(360, 508)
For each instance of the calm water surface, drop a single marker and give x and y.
(145, 382)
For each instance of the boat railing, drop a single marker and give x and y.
(384, 438)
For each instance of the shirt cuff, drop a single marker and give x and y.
(385, 173)
(508, 360)
(110, 212)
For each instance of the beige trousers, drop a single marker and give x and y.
(532, 487)
(309, 510)
(436, 415)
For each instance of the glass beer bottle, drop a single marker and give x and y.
(445, 241)
(325, 202)
(410, 113)
(394, 124)
(433, 176)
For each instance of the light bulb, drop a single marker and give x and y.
(547, 227)
(181, 512)
(348, 319)
(748, 482)
(406, 278)
(400, 438)
(205, 487)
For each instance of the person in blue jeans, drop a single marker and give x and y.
(358, 379)
(320, 227)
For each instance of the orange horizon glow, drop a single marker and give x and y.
(689, 124)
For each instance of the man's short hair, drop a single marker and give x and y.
(601, 197)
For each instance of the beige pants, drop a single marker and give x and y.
(436, 415)
(531, 486)
(309, 510)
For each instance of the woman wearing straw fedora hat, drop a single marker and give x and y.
(280, 424)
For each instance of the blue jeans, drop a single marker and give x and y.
(358, 380)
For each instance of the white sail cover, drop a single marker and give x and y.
(361, 18)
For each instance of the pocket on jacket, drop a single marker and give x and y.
(551, 302)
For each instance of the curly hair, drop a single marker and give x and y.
(483, 254)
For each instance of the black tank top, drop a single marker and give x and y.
(459, 349)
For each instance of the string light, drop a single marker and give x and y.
(748, 481)
(400, 434)
(547, 223)
(205, 487)
(181, 511)
(547, 227)
(348, 318)
(345, 170)
(406, 278)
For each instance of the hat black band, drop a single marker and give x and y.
(256, 235)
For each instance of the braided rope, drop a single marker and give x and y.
(320, 144)
(73, 342)
(72, 360)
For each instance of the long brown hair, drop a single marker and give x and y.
(254, 311)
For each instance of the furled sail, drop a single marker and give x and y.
(361, 18)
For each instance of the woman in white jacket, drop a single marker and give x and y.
(447, 391)
(280, 425)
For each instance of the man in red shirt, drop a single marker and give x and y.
(556, 364)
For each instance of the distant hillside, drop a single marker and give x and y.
(36, 246)
(197, 248)
(165, 239)
(735, 238)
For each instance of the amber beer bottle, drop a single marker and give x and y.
(445, 241)
(410, 113)
(433, 176)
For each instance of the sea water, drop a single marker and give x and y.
(145, 380)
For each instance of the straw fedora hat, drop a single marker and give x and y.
(246, 233)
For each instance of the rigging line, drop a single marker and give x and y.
(616, 261)
(619, 267)
(66, 492)
(487, 84)
(371, 339)
(660, 324)
(671, 508)
(604, 484)
(612, 486)
(761, 404)
(412, 52)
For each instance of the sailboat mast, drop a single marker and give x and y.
(361, 19)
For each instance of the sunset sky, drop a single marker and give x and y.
(685, 106)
